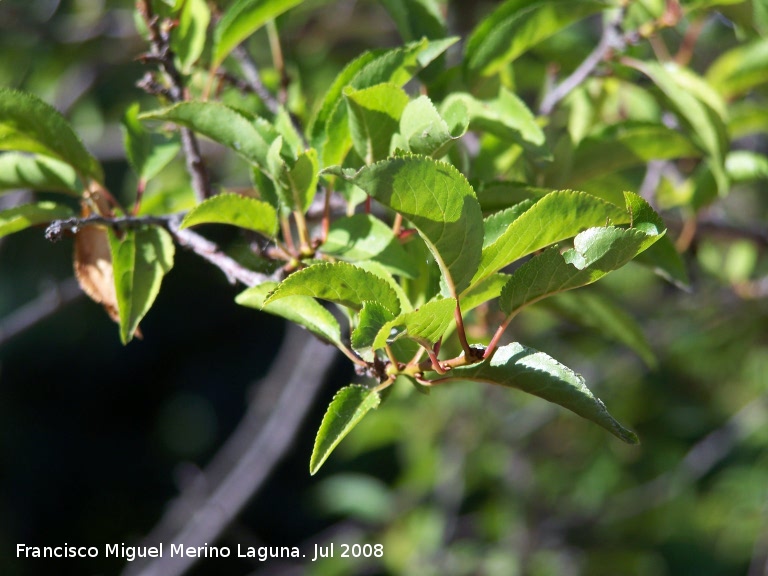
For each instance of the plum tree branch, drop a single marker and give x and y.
(210, 251)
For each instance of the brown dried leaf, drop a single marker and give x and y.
(93, 268)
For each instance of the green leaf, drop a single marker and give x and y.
(139, 261)
(302, 179)
(516, 26)
(347, 408)
(372, 317)
(425, 325)
(374, 117)
(22, 217)
(425, 132)
(339, 282)
(484, 291)
(596, 311)
(596, 252)
(740, 69)
(329, 130)
(507, 117)
(627, 144)
(555, 217)
(27, 124)
(250, 138)
(148, 153)
(497, 223)
(242, 19)
(698, 106)
(416, 18)
(439, 202)
(30, 171)
(302, 310)
(364, 237)
(188, 38)
(236, 210)
(744, 165)
(516, 366)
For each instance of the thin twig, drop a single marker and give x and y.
(210, 251)
(253, 79)
(238, 471)
(611, 39)
(161, 53)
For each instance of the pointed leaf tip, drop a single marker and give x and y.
(345, 411)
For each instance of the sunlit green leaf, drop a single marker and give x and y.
(250, 138)
(34, 172)
(439, 202)
(22, 217)
(740, 69)
(302, 310)
(555, 217)
(536, 373)
(140, 259)
(302, 180)
(424, 131)
(507, 117)
(426, 325)
(340, 282)
(236, 210)
(596, 252)
(27, 124)
(188, 38)
(346, 410)
(372, 317)
(242, 19)
(374, 117)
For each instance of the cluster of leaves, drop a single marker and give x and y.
(453, 192)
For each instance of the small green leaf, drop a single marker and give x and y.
(148, 153)
(27, 124)
(242, 19)
(364, 237)
(516, 366)
(437, 199)
(745, 165)
(425, 325)
(139, 260)
(236, 210)
(329, 129)
(555, 217)
(346, 410)
(188, 38)
(514, 27)
(340, 282)
(302, 180)
(250, 138)
(302, 310)
(426, 132)
(372, 317)
(507, 117)
(740, 69)
(34, 172)
(22, 217)
(374, 117)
